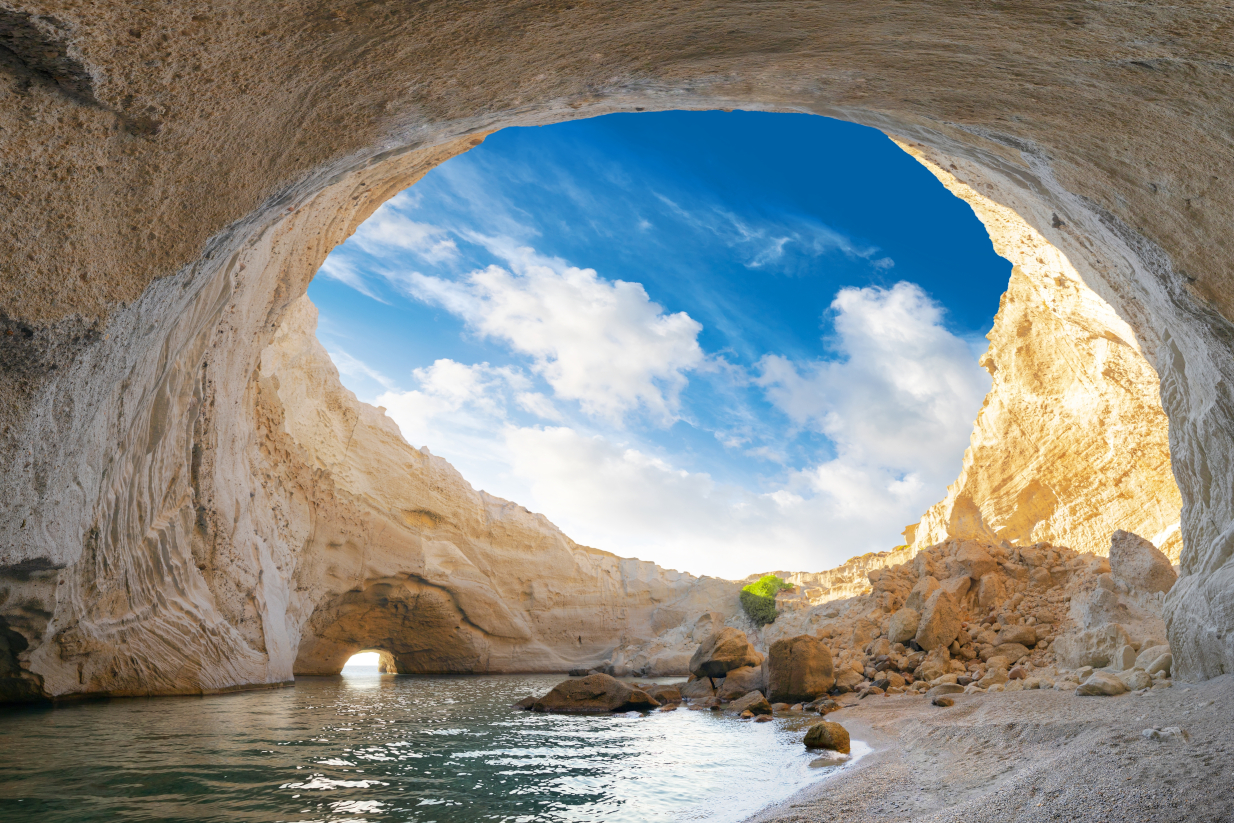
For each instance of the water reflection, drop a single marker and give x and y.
(384, 748)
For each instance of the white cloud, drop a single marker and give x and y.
(337, 269)
(603, 343)
(390, 229)
(354, 367)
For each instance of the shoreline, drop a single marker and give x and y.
(1038, 755)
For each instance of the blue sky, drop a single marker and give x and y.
(726, 342)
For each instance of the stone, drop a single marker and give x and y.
(990, 590)
(1101, 683)
(1094, 647)
(956, 587)
(936, 664)
(1136, 679)
(848, 679)
(827, 735)
(664, 694)
(1149, 653)
(1022, 635)
(723, 651)
(1011, 651)
(940, 622)
(752, 702)
(943, 702)
(1163, 665)
(945, 688)
(780, 707)
(903, 626)
(799, 669)
(1140, 564)
(994, 677)
(920, 593)
(593, 694)
(1018, 673)
(698, 688)
(741, 681)
(971, 561)
(1122, 659)
(526, 703)
(672, 707)
(763, 718)
(863, 632)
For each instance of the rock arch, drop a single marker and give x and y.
(174, 176)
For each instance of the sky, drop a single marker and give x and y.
(727, 342)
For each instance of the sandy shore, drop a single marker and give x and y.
(1032, 756)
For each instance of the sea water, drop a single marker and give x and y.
(372, 747)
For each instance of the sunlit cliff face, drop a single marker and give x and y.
(165, 532)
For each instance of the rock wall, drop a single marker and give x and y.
(175, 173)
(1071, 443)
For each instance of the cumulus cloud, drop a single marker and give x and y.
(602, 343)
(389, 228)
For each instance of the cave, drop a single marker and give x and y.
(180, 516)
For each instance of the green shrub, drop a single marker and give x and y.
(759, 599)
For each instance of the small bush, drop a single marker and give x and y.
(758, 599)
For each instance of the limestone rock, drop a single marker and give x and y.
(1094, 647)
(828, 735)
(741, 681)
(754, 702)
(920, 593)
(1023, 635)
(664, 695)
(723, 651)
(798, 669)
(903, 626)
(940, 622)
(1135, 679)
(1101, 684)
(593, 694)
(1150, 653)
(698, 688)
(990, 590)
(971, 561)
(1140, 564)
(943, 689)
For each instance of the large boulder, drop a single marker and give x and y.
(799, 669)
(940, 622)
(1101, 684)
(1024, 635)
(957, 586)
(664, 695)
(921, 592)
(1140, 564)
(593, 694)
(828, 735)
(741, 681)
(753, 702)
(1094, 647)
(723, 651)
(903, 626)
(971, 561)
(698, 688)
(990, 590)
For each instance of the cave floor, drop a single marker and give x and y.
(1032, 756)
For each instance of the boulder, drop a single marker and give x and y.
(921, 592)
(990, 590)
(971, 561)
(723, 651)
(957, 587)
(848, 679)
(799, 669)
(698, 689)
(863, 632)
(593, 694)
(903, 626)
(1101, 684)
(944, 688)
(936, 664)
(827, 735)
(1123, 659)
(753, 702)
(1135, 679)
(944, 702)
(741, 681)
(1140, 564)
(1150, 653)
(1024, 635)
(665, 694)
(1011, 651)
(526, 703)
(940, 622)
(1095, 647)
(1164, 664)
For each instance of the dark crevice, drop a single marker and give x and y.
(35, 49)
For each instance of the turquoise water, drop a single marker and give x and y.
(370, 747)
